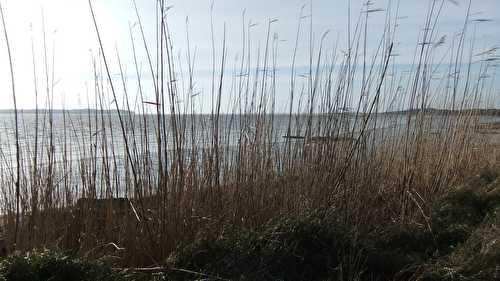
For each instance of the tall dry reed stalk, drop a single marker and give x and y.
(186, 173)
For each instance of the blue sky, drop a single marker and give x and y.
(70, 33)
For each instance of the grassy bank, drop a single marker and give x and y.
(458, 242)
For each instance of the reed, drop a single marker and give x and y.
(186, 174)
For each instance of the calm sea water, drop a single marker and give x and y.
(78, 135)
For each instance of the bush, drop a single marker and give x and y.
(469, 223)
(301, 249)
(46, 265)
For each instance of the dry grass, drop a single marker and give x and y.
(180, 186)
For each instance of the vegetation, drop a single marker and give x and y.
(246, 192)
(45, 265)
(460, 243)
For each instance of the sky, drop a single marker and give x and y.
(71, 41)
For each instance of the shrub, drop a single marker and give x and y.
(45, 265)
(300, 249)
